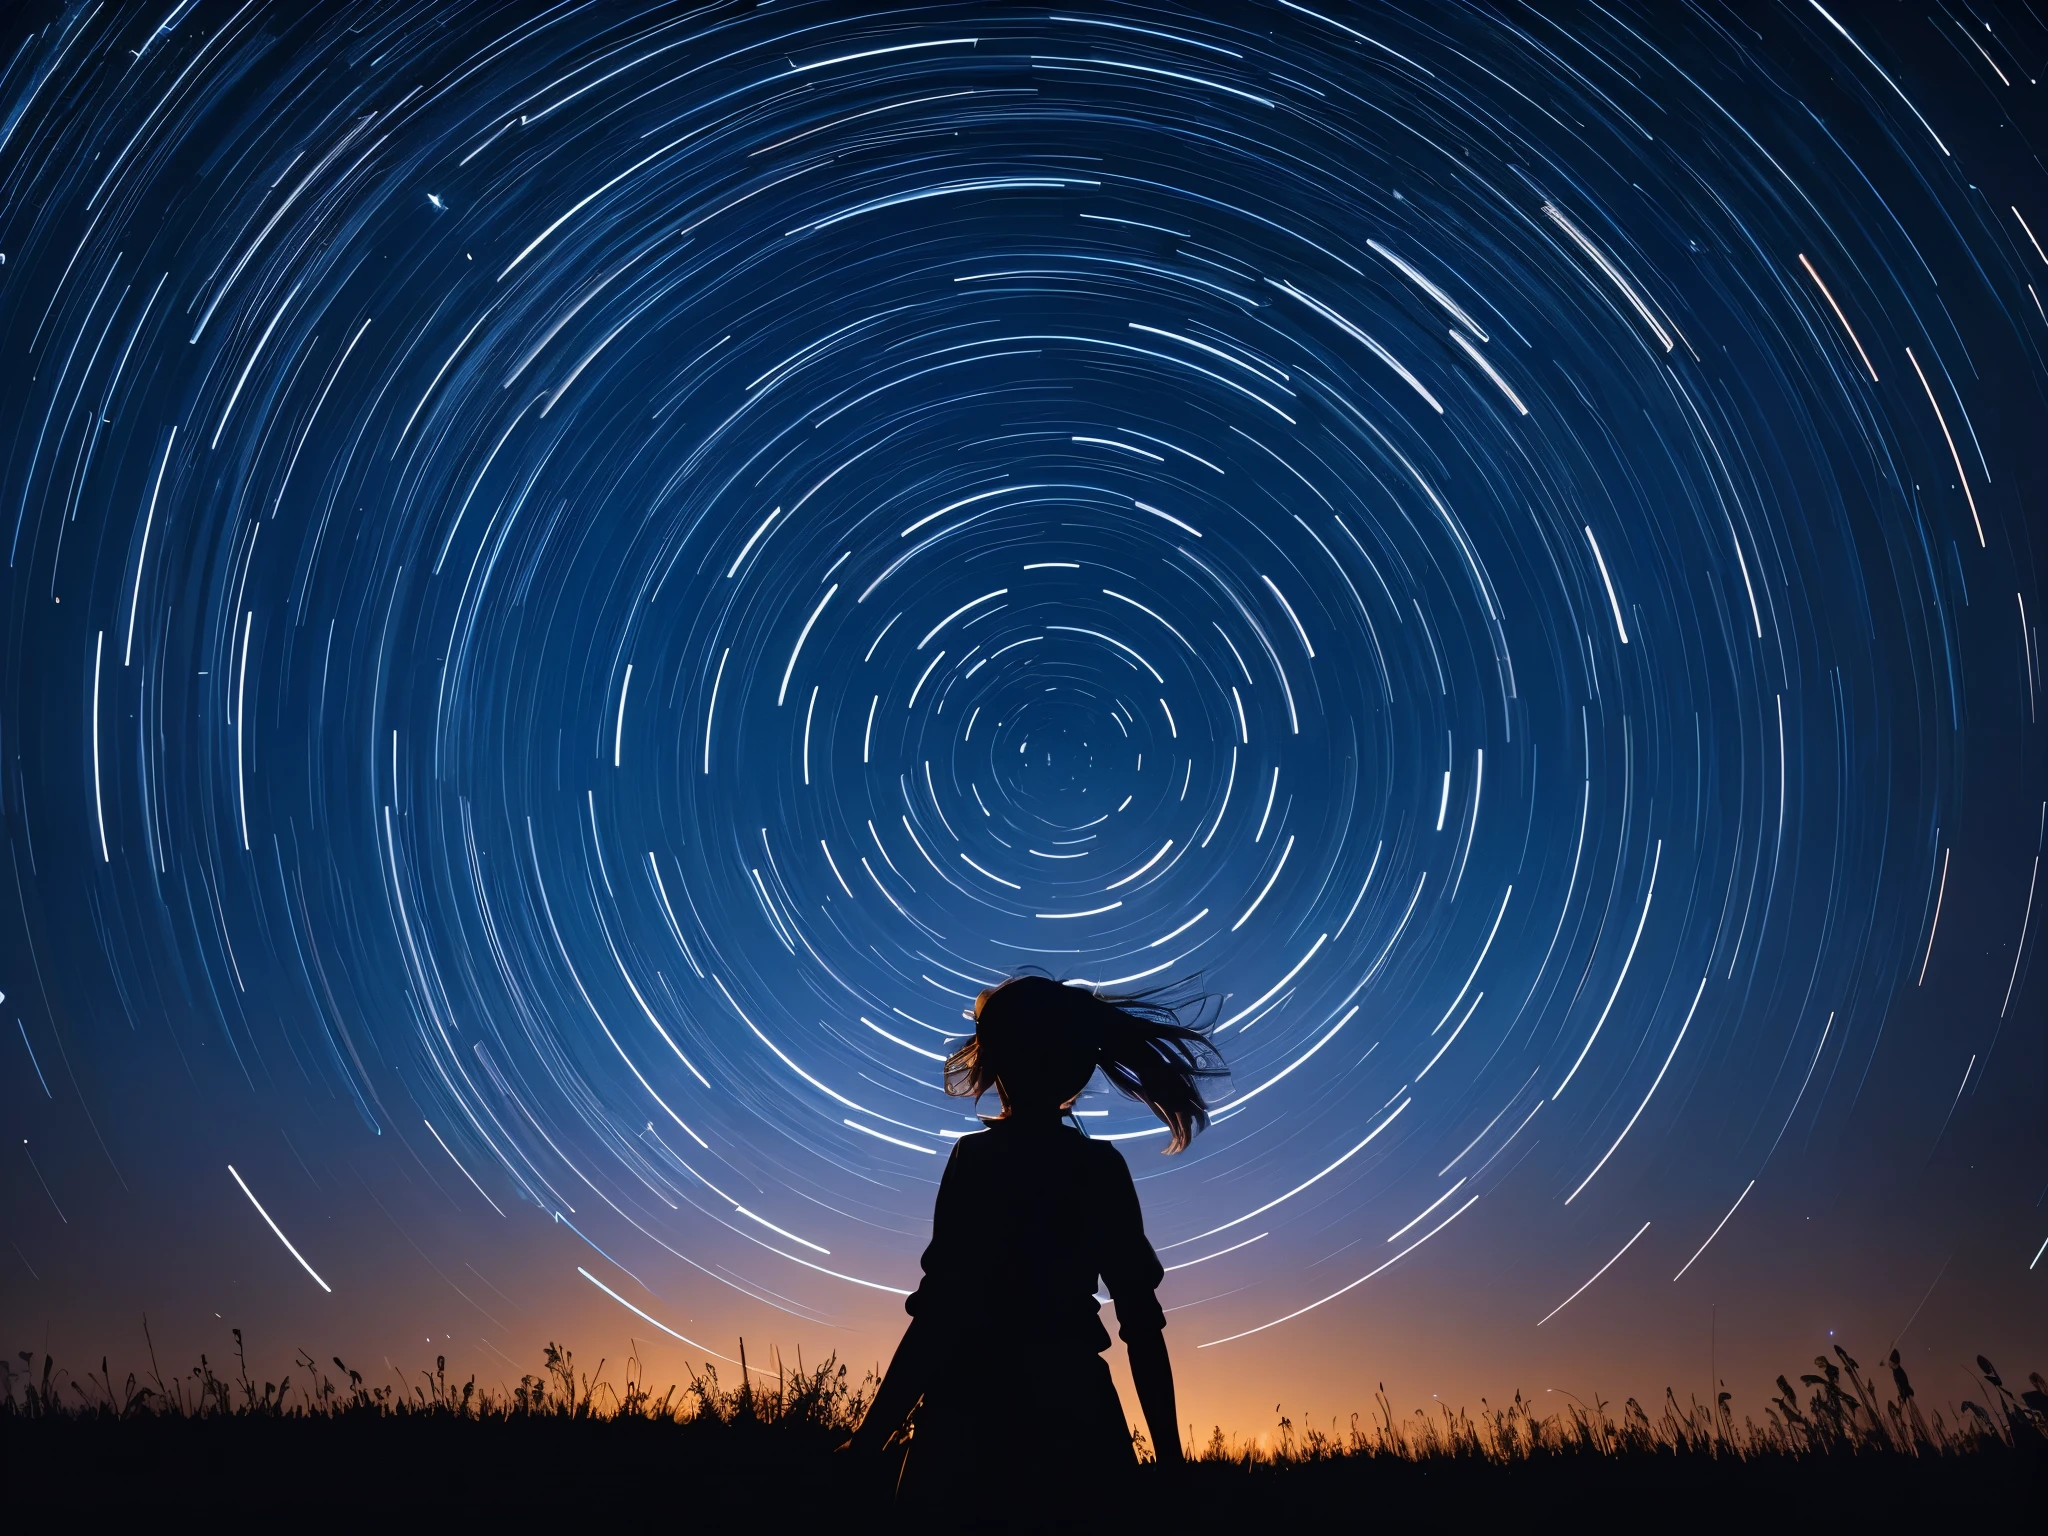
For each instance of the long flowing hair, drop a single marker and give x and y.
(1038, 1041)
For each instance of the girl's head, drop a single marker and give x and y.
(1037, 1042)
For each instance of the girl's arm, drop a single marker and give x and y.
(1152, 1374)
(1133, 1272)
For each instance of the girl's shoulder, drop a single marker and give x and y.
(1104, 1158)
(1002, 1140)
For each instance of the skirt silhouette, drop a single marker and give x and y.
(1040, 1430)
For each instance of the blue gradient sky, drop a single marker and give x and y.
(579, 579)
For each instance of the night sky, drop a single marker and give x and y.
(580, 577)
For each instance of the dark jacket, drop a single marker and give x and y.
(1030, 1212)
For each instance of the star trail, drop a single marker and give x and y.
(580, 578)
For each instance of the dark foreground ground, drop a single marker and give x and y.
(554, 1469)
(1850, 1456)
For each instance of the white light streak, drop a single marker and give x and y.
(98, 810)
(1823, 287)
(999, 880)
(1882, 75)
(1110, 442)
(1183, 928)
(1596, 1275)
(241, 693)
(1439, 1200)
(1228, 784)
(898, 1040)
(1506, 897)
(1127, 879)
(1470, 1201)
(1267, 888)
(945, 189)
(1292, 617)
(1184, 527)
(1949, 438)
(664, 1327)
(1217, 352)
(1613, 601)
(1490, 371)
(870, 53)
(809, 710)
(458, 1163)
(1716, 1232)
(834, 867)
(1272, 794)
(783, 692)
(955, 506)
(1632, 1119)
(1600, 259)
(1357, 335)
(248, 367)
(1205, 1258)
(1935, 927)
(1096, 634)
(1371, 1136)
(928, 671)
(949, 618)
(288, 1248)
(142, 559)
(1452, 1038)
(1450, 304)
(893, 1141)
(619, 730)
(1242, 1099)
(1321, 939)
(2020, 948)
(747, 548)
(1648, 896)
(579, 206)
(712, 710)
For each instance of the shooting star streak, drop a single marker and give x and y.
(1823, 287)
(664, 1327)
(288, 1248)
(1575, 1295)
(1949, 438)
(1632, 1119)
(458, 1163)
(1716, 1232)
(1389, 1264)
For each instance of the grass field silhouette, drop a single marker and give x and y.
(1842, 1447)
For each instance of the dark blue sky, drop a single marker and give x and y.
(580, 577)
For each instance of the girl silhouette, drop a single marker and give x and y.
(1002, 1363)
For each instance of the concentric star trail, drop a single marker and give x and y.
(583, 578)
